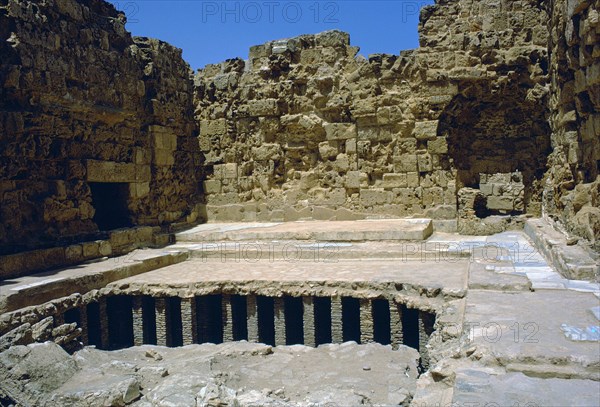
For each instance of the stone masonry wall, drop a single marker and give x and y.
(572, 193)
(82, 102)
(306, 129)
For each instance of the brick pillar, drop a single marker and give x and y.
(308, 320)
(138, 321)
(396, 334)
(337, 329)
(366, 320)
(252, 315)
(279, 309)
(163, 322)
(83, 324)
(423, 339)
(227, 318)
(189, 321)
(104, 340)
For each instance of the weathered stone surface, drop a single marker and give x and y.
(84, 102)
(35, 371)
(201, 375)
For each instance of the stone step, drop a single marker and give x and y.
(42, 287)
(571, 261)
(327, 231)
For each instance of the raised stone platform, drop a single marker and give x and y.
(332, 231)
(571, 261)
(366, 278)
(38, 288)
(499, 306)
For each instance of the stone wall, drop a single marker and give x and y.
(98, 129)
(91, 120)
(306, 129)
(572, 193)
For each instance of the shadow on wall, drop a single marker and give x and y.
(498, 138)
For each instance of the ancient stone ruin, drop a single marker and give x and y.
(306, 226)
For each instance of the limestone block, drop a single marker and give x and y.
(73, 253)
(426, 130)
(425, 162)
(412, 179)
(267, 152)
(310, 56)
(104, 248)
(405, 163)
(389, 115)
(406, 145)
(372, 197)
(213, 127)
(308, 180)
(120, 238)
(433, 196)
(353, 180)
(223, 198)
(212, 187)
(140, 156)
(467, 73)
(109, 171)
(91, 249)
(333, 38)
(225, 171)
(163, 138)
(501, 203)
(373, 134)
(260, 51)
(324, 196)
(246, 183)
(487, 189)
(394, 181)
(342, 163)
(163, 157)
(139, 189)
(350, 146)
(263, 107)
(340, 131)
(438, 145)
(327, 151)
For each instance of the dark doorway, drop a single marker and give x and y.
(322, 320)
(93, 320)
(381, 322)
(120, 322)
(73, 316)
(351, 319)
(110, 202)
(210, 320)
(239, 315)
(410, 327)
(174, 308)
(294, 329)
(266, 320)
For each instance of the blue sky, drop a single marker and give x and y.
(212, 31)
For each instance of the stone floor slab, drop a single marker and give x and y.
(361, 230)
